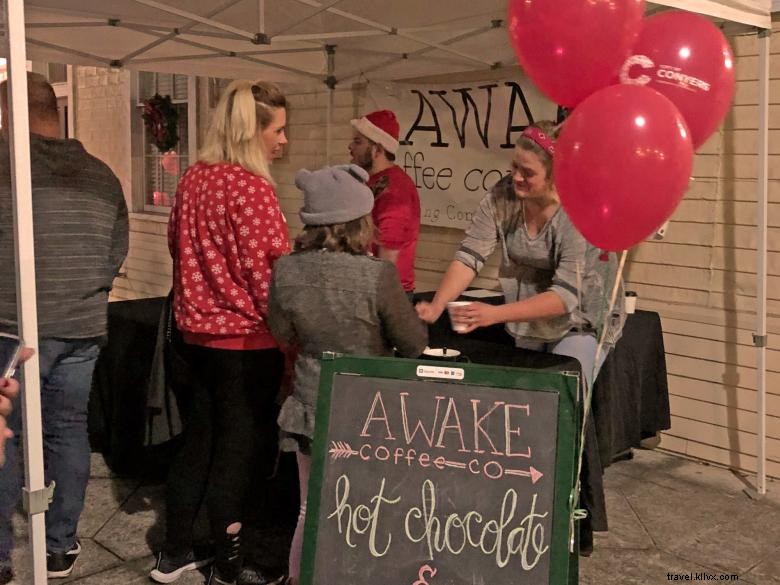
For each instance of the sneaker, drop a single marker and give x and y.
(6, 575)
(170, 567)
(59, 565)
(216, 579)
(253, 575)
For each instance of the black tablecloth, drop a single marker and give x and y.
(117, 408)
(631, 396)
(630, 400)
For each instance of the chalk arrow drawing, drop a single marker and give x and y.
(455, 464)
(340, 450)
(532, 472)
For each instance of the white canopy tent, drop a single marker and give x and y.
(297, 43)
(288, 41)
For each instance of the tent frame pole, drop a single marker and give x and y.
(35, 496)
(231, 54)
(760, 336)
(191, 16)
(90, 56)
(389, 30)
(467, 35)
(173, 34)
(330, 54)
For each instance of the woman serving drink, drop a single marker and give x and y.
(555, 284)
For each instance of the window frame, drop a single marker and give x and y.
(139, 197)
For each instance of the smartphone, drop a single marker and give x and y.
(10, 348)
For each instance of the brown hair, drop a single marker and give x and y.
(509, 209)
(551, 129)
(353, 237)
(41, 100)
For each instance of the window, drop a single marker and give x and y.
(57, 73)
(156, 174)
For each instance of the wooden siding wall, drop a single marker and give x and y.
(700, 279)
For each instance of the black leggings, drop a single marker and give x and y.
(229, 420)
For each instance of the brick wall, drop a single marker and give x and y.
(102, 118)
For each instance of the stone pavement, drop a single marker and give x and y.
(668, 516)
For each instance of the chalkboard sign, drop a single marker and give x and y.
(428, 473)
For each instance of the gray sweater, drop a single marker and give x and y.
(557, 259)
(332, 301)
(81, 237)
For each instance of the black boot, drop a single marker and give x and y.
(228, 561)
(586, 537)
(254, 575)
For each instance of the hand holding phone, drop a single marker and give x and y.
(10, 351)
(5, 434)
(10, 355)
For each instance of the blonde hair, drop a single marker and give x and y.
(353, 237)
(245, 109)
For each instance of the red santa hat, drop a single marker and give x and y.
(380, 127)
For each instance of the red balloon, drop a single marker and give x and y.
(685, 57)
(622, 164)
(571, 48)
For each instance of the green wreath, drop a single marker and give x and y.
(162, 122)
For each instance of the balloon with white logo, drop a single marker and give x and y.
(685, 57)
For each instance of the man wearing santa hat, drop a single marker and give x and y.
(397, 204)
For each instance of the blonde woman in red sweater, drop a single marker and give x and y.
(226, 231)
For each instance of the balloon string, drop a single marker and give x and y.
(612, 299)
(577, 513)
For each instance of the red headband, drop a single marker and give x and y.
(540, 138)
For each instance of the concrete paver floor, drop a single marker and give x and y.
(668, 516)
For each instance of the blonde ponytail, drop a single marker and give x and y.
(244, 110)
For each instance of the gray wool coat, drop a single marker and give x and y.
(333, 301)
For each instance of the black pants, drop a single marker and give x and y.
(229, 422)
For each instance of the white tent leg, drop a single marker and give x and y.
(760, 338)
(328, 125)
(192, 119)
(19, 135)
(331, 58)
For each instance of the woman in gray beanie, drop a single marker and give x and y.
(329, 295)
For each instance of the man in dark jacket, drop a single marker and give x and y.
(81, 239)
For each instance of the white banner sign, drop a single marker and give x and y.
(457, 139)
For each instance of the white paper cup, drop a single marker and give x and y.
(441, 353)
(456, 326)
(630, 302)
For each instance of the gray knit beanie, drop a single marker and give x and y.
(336, 194)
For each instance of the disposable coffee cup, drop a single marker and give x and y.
(441, 353)
(457, 326)
(630, 302)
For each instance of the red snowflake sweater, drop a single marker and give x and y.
(225, 233)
